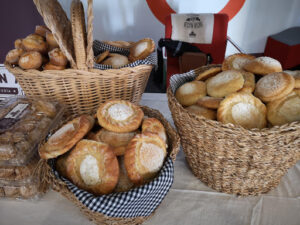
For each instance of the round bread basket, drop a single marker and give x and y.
(80, 88)
(99, 218)
(229, 158)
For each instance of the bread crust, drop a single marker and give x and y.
(30, 60)
(208, 73)
(263, 65)
(243, 109)
(202, 111)
(236, 61)
(142, 163)
(209, 102)
(153, 125)
(136, 54)
(66, 137)
(249, 82)
(107, 166)
(120, 116)
(274, 86)
(57, 57)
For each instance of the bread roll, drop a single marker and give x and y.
(57, 57)
(30, 60)
(141, 49)
(263, 65)
(201, 111)
(13, 56)
(236, 61)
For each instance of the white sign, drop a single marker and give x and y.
(8, 84)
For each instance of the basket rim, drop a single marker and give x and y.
(231, 126)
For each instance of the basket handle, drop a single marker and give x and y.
(89, 48)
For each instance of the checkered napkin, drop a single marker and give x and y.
(140, 201)
(177, 80)
(100, 47)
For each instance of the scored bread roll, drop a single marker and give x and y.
(57, 57)
(13, 56)
(201, 111)
(284, 110)
(263, 65)
(243, 109)
(274, 86)
(30, 60)
(236, 61)
(93, 166)
(224, 83)
(35, 42)
(189, 93)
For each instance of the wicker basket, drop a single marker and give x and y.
(80, 90)
(99, 218)
(229, 158)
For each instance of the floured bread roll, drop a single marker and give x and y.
(141, 49)
(263, 65)
(224, 83)
(13, 56)
(35, 42)
(30, 60)
(144, 157)
(236, 61)
(201, 111)
(249, 82)
(296, 75)
(66, 137)
(93, 166)
(189, 93)
(153, 125)
(57, 57)
(120, 116)
(274, 86)
(124, 183)
(208, 73)
(284, 110)
(243, 109)
(117, 141)
(209, 102)
(115, 60)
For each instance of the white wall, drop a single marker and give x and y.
(132, 19)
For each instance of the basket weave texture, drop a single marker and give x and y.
(229, 158)
(80, 90)
(99, 218)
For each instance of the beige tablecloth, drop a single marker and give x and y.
(189, 201)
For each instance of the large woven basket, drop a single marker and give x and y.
(229, 158)
(99, 218)
(81, 90)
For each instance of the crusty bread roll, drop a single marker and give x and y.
(224, 83)
(153, 125)
(93, 166)
(189, 93)
(209, 102)
(201, 111)
(35, 42)
(263, 65)
(274, 86)
(284, 110)
(144, 157)
(42, 30)
(141, 49)
(208, 73)
(243, 109)
(13, 56)
(30, 60)
(57, 57)
(236, 61)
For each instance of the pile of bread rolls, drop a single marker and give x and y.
(37, 51)
(115, 150)
(248, 91)
(137, 51)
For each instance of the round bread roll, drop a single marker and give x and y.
(13, 56)
(243, 109)
(117, 141)
(116, 60)
(201, 111)
(236, 61)
(35, 42)
(93, 166)
(66, 137)
(208, 73)
(153, 125)
(284, 110)
(141, 49)
(57, 57)
(209, 102)
(30, 60)
(263, 65)
(120, 116)
(49, 66)
(144, 157)
(249, 82)
(274, 86)
(224, 83)
(189, 93)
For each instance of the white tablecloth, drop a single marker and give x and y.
(189, 201)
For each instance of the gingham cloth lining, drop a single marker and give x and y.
(100, 47)
(177, 80)
(140, 201)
